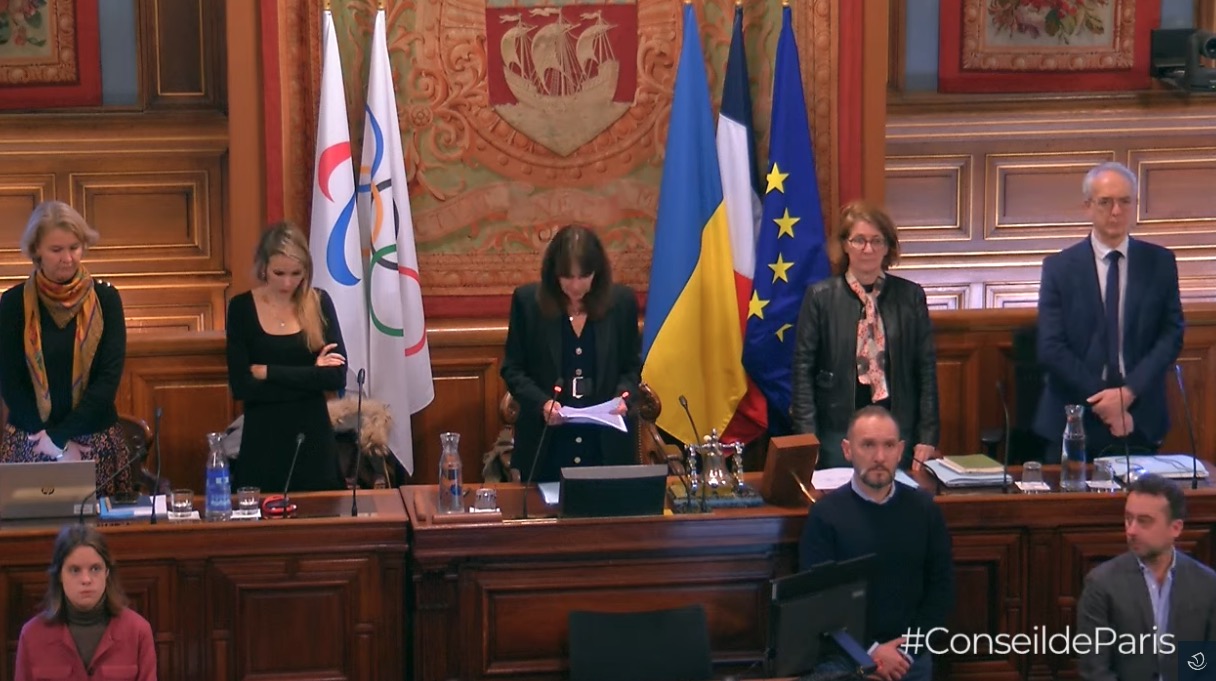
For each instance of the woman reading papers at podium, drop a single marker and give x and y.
(572, 341)
(62, 343)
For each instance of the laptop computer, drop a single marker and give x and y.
(46, 489)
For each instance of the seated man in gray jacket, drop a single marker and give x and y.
(1142, 603)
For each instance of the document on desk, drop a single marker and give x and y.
(599, 414)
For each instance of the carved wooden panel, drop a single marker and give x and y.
(1176, 185)
(265, 608)
(733, 591)
(990, 597)
(20, 192)
(188, 380)
(932, 195)
(1029, 161)
(183, 58)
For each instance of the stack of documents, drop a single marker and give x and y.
(1176, 466)
(108, 510)
(952, 478)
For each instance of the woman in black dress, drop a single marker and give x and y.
(284, 352)
(62, 344)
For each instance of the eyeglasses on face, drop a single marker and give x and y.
(1108, 202)
(877, 243)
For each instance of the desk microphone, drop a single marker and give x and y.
(139, 456)
(1127, 450)
(1000, 390)
(354, 488)
(557, 391)
(697, 434)
(156, 438)
(1190, 428)
(277, 506)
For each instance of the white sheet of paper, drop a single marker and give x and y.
(550, 492)
(598, 414)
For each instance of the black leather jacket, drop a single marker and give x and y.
(825, 358)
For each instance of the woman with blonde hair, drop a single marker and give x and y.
(864, 338)
(62, 344)
(284, 352)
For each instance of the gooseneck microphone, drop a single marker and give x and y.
(540, 444)
(1190, 428)
(281, 506)
(1000, 390)
(139, 456)
(354, 488)
(1127, 450)
(156, 439)
(697, 434)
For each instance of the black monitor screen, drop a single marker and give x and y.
(811, 607)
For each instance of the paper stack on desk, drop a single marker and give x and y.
(599, 414)
(952, 478)
(1176, 466)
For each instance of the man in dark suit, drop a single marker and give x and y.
(1110, 324)
(1153, 595)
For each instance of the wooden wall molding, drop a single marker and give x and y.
(153, 187)
(982, 197)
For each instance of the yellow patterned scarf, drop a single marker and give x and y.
(74, 299)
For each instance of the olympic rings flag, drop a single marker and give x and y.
(400, 373)
(334, 233)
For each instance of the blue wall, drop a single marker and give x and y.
(921, 44)
(119, 63)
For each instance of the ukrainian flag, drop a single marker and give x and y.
(691, 341)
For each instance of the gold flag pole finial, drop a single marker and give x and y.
(326, 5)
(381, 6)
(738, 3)
(687, 2)
(785, 3)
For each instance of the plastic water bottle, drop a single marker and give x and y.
(451, 492)
(1072, 452)
(219, 493)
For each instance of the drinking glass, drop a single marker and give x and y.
(181, 504)
(1104, 477)
(1032, 474)
(247, 499)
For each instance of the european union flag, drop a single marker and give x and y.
(790, 251)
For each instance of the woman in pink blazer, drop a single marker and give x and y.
(85, 630)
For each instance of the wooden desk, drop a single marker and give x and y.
(489, 601)
(314, 597)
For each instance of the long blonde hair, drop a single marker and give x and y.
(284, 238)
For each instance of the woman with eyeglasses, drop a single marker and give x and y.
(864, 338)
(85, 629)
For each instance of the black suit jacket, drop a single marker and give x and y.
(1072, 337)
(1116, 597)
(533, 361)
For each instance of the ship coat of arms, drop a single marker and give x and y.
(562, 73)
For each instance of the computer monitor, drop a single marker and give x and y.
(819, 613)
(605, 491)
(46, 489)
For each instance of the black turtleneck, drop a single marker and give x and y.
(87, 627)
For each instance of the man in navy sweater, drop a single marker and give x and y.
(912, 583)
